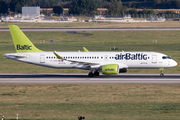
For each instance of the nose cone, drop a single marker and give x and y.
(173, 63)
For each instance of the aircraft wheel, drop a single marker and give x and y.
(91, 74)
(96, 73)
(161, 74)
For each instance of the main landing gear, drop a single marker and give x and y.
(96, 73)
(91, 74)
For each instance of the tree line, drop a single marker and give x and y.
(89, 6)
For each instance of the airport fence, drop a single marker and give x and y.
(134, 16)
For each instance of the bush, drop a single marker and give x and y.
(58, 9)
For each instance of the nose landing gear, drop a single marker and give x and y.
(161, 74)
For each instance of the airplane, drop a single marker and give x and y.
(96, 62)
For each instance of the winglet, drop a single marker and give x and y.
(58, 57)
(85, 50)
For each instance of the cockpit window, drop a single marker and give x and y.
(166, 57)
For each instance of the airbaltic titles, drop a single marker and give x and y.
(130, 56)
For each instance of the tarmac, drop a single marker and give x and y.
(82, 78)
(96, 29)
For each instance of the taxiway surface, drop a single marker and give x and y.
(95, 29)
(82, 78)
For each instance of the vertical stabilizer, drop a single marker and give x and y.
(21, 42)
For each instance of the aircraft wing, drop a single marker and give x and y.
(90, 64)
(80, 62)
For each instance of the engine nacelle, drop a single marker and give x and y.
(124, 70)
(110, 69)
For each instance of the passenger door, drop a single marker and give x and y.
(154, 58)
(42, 58)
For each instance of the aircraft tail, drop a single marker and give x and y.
(21, 42)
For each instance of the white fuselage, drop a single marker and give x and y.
(89, 60)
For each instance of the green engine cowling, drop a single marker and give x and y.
(110, 69)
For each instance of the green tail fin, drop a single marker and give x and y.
(21, 42)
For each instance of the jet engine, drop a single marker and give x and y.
(110, 69)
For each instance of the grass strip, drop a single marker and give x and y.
(94, 101)
(94, 25)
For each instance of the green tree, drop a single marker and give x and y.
(18, 8)
(123, 10)
(114, 7)
(152, 12)
(119, 3)
(145, 11)
(132, 11)
(156, 2)
(99, 2)
(129, 4)
(16, 5)
(3, 6)
(83, 7)
(178, 4)
(58, 9)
